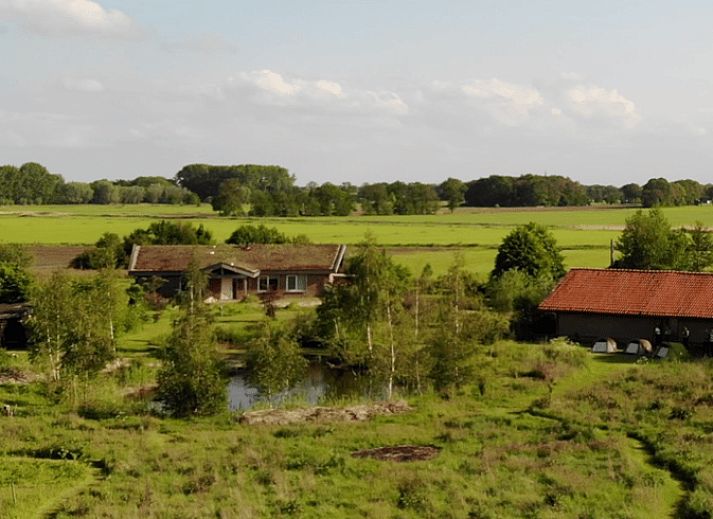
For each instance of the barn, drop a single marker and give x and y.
(630, 304)
(235, 272)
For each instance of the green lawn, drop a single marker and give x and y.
(583, 234)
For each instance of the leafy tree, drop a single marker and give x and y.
(362, 318)
(462, 322)
(518, 295)
(452, 191)
(168, 233)
(275, 362)
(51, 323)
(131, 194)
(333, 200)
(492, 191)
(604, 194)
(631, 193)
(74, 324)
(532, 249)
(105, 192)
(701, 248)
(190, 381)
(108, 252)
(74, 193)
(656, 192)
(648, 242)
(232, 197)
(15, 255)
(15, 281)
(250, 234)
(376, 199)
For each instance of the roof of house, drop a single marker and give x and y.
(255, 258)
(653, 293)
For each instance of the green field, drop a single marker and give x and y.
(583, 234)
(511, 447)
(546, 431)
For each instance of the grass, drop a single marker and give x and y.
(508, 449)
(551, 431)
(583, 234)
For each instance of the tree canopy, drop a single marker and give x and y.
(649, 242)
(532, 249)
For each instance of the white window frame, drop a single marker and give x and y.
(296, 278)
(267, 284)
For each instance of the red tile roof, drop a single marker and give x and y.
(654, 293)
(176, 258)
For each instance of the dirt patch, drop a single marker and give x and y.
(356, 413)
(400, 453)
(15, 376)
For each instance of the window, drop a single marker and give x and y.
(267, 284)
(296, 283)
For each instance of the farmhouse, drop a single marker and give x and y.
(630, 304)
(234, 272)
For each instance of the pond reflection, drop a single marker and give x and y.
(321, 381)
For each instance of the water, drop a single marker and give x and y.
(320, 381)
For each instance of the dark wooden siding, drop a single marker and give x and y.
(588, 327)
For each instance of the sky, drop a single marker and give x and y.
(360, 91)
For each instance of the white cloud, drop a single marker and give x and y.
(273, 83)
(597, 103)
(83, 85)
(271, 88)
(67, 16)
(506, 103)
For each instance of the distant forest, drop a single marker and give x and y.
(256, 190)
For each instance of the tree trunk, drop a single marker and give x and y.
(392, 369)
(416, 316)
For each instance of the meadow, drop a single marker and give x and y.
(583, 234)
(512, 446)
(545, 430)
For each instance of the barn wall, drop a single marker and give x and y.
(588, 327)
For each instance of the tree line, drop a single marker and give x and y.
(32, 183)
(268, 190)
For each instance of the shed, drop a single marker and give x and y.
(621, 303)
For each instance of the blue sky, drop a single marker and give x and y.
(604, 92)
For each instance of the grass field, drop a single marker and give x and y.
(550, 431)
(584, 234)
(511, 448)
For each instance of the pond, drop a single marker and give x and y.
(320, 381)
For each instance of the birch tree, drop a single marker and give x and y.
(190, 381)
(275, 362)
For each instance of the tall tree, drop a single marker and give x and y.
(452, 191)
(701, 248)
(648, 242)
(275, 362)
(232, 197)
(190, 381)
(532, 249)
(365, 314)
